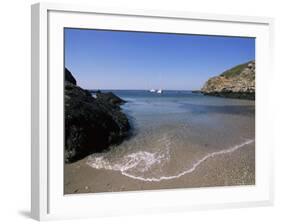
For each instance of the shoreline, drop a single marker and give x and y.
(231, 169)
(232, 95)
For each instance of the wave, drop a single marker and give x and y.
(138, 165)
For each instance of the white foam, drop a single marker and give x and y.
(142, 162)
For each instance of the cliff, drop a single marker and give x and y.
(91, 124)
(237, 82)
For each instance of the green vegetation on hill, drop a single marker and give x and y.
(235, 71)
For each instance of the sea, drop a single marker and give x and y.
(175, 132)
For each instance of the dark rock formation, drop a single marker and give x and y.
(69, 77)
(196, 91)
(91, 125)
(110, 97)
(237, 82)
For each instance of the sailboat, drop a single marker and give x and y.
(152, 90)
(159, 91)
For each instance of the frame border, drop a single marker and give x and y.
(40, 89)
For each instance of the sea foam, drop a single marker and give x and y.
(142, 165)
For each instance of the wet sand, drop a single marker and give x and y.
(231, 169)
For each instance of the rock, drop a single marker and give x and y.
(91, 125)
(237, 82)
(109, 97)
(196, 91)
(69, 77)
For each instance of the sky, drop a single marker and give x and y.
(103, 59)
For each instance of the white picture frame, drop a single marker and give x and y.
(48, 201)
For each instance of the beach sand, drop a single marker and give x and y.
(231, 169)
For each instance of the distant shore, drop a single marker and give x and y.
(237, 82)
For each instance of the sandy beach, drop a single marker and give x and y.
(234, 168)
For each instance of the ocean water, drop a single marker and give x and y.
(176, 132)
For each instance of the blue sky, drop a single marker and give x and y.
(102, 59)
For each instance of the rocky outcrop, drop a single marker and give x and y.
(91, 124)
(69, 79)
(110, 97)
(237, 82)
